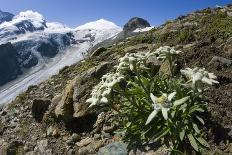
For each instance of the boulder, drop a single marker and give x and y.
(220, 62)
(154, 64)
(64, 108)
(82, 88)
(39, 107)
(115, 148)
(71, 104)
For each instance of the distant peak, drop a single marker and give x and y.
(135, 23)
(99, 24)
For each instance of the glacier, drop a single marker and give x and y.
(31, 27)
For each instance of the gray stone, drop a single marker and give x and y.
(220, 62)
(75, 137)
(84, 142)
(42, 147)
(64, 108)
(115, 148)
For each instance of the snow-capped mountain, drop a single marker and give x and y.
(42, 48)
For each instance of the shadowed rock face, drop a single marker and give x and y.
(9, 66)
(5, 16)
(135, 23)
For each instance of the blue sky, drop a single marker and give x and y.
(77, 12)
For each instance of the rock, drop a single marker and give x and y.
(98, 51)
(71, 151)
(165, 68)
(56, 133)
(105, 135)
(3, 147)
(9, 63)
(137, 47)
(14, 147)
(84, 142)
(75, 137)
(42, 147)
(49, 131)
(115, 148)
(49, 49)
(81, 88)
(220, 62)
(52, 131)
(64, 109)
(108, 129)
(154, 64)
(5, 16)
(135, 23)
(39, 107)
(86, 150)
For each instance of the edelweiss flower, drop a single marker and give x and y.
(165, 51)
(198, 74)
(101, 91)
(162, 103)
(130, 61)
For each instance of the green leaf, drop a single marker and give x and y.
(200, 119)
(196, 128)
(196, 108)
(145, 80)
(161, 133)
(173, 113)
(193, 142)
(151, 117)
(202, 141)
(182, 134)
(181, 101)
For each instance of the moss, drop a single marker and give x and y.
(22, 97)
(182, 36)
(24, 128)
(218, 25)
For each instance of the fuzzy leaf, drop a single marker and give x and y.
(196, 108)
(200, 119)
(182, 134)
(196, 128)
(181, 101)
(202, 141)
(193, 142)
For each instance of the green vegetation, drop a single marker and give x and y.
(150, 105)
(217, 25)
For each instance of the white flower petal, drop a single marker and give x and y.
(153, 98)
(170, 96)
(151, 117)
(207, 81)
(165, 113)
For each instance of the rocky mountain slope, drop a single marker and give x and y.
(52, 117)
(41, 47)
